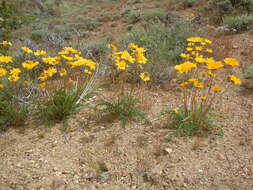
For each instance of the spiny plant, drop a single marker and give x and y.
(201, 85)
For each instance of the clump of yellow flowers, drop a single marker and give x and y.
(65, 63)
(133, 57)
(201, 77)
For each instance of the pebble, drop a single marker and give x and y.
(168, 150)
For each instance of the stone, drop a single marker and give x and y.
(57, 183)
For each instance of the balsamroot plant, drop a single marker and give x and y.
(202, 83)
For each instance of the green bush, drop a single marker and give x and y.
(89, 23)
(163, 46)
(249, 72)
(239, 23)
(59, 107)
(130, 14)
(123, 109)
(153, 15)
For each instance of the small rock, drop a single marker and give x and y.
(56, 183)
(220, 157)
(200, 171)
(104, 177)
(235, 47)
(168, 150)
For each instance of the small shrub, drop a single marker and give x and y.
(188, 125)
(124, 109)
(59, 107)
(249, 72)
(153, 15)
(130, 14)
(163, 45)
(239, 23)
(189, 3)
(225, 6)
(89, 23)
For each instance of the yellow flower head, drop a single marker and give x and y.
(203, 97)
(145, 76)
(6, 43)
(5, 59)
(51, 60)
(122, 65)
(113, 47)
(40, 52)
(28, 64)
(13, 78)
(125, 55)
(1, 85)
(232, 62)
(184, 84)
(234, 79)
(185, 56)
(63, 72)
(87, 71)
(198, 84)
(213, 65)
(3, 72)
(15, 71)
(185, 67)
(43, 85)
(26, 49)
(216, 88)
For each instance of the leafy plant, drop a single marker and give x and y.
(153, 15)
(124, 109)
(59, 107)
(249, 72)
(188, 124)
(200, 83)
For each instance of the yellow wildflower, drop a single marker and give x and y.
(6, 43)
(189, 49)
(198, 84)
(194, 39)
(184, 84)
(28, 64)
(1, 85)
(132, 46)
(232, 62)
(210, 73)
(3, 72)
(5, 59)
(13, 78)
(199, 48)
(208, 50)
(40, 52)
(185, 67)
(193, 80)
(203, 97)
(185, 56)
(87, 71)
(51, 60)
(122, 65)
(216, 88)
(175, 110)
(43, 85)
(63, 72)
(212, 65)
(113, 47)
(26, 49)
(125, 55)
(234, 79)
(15, 71)
(145, 76)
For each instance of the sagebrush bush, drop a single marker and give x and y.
(153, 15)
(239, 23)
(163, 45)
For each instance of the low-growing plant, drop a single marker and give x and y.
(60, 106)
(124, 109)
(89, 23)
(153, 15)
(249, 72)
(130, 14)
(239, 23)
(201, 86)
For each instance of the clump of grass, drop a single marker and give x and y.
(239, 23)
(130, 14)
(123, 109)
(59, 107)
(89, 23)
